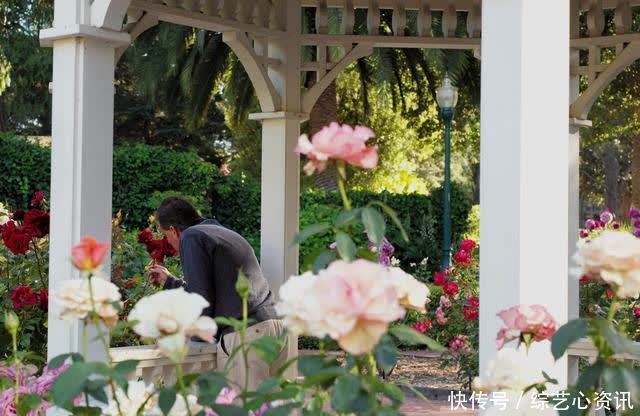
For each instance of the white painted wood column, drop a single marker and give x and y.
(81, 153)
(280, 201)
(574, 185)
(280, 206)
(524, 165)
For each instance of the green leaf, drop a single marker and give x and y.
(70, 384)
(268, 385)
(589, 378)
(618, 343)
(268, 348)
(345, 245)
(310, 231)
(365, 253)
(87, 411)
(347, 395)
(566, 335)
(209, 386)
(228, 410)
(622, 379)
(323, 260)
(167, 399)
(394, 217)
(284, 410)
(347, 217)
(409, 336)
(96, 389)
(310, 364)
(347, 390)
(386, 354)
(28, 402)
(236, 324)
(374, 224)
(323, 377)
(126, 367)
(57, 361)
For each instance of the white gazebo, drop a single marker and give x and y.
(533, 59)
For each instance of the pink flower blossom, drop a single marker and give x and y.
(445, 301)
(525, 323)
(440, 318)
(422, 326)
(606, 217)
(467, 245)
(458, 344)
(634, 213)
(338, 142)
(226, 396)
(636, 312)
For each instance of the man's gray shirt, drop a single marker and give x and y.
(211, 257)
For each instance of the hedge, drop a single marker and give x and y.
(142, 175)
(236, 204)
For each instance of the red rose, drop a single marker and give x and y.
(450, 288)
(609, 293)
(422, 326)
(159, 249)
(467, 245)
(470, 313)
(463, 258)
(145, 236)
(43, 299)
(439, 278)
(23, 296)
(475, 302)
(38, 199)
(15, 238)
(636, 312)
(36, 222)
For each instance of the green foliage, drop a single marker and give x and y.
(236, 204)
(24, 167)
(142, 176)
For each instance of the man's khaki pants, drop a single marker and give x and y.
(258, 369)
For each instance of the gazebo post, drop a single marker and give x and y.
(280, 206)
(81, 152)
(524, 162)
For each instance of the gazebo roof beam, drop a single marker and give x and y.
(199, 20)
(391, 41)
(460, 5)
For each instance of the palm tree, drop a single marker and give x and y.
(192, 64)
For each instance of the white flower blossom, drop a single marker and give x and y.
(74, 298)
(412, 293)
(138, 395)
(170, 317)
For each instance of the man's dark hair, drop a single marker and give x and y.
(178, 213)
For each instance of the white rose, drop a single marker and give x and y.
(508, 371)
(170, 317)
(5, 215)
(138, 394)
(74, 298)
(627, 284)
(412, 293)
(611, 250)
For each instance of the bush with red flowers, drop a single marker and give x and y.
(454, 310)
(24, 261)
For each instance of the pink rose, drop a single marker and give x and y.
(338, 142)
(525, 323)
(458, 344)
(352, 303)
(440, 318)
(445, 301)
(226, 396)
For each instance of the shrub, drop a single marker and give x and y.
(142, 175)
(24, 167)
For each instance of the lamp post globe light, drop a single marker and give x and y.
(447, 98)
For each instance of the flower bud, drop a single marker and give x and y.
(243, 285)
(11, 321)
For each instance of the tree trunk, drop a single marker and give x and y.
(324, 112)
(635, 172)
(612, 191)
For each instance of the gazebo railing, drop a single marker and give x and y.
(153, 367)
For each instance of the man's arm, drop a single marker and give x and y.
(196, 267)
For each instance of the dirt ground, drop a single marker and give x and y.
(422, 370)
